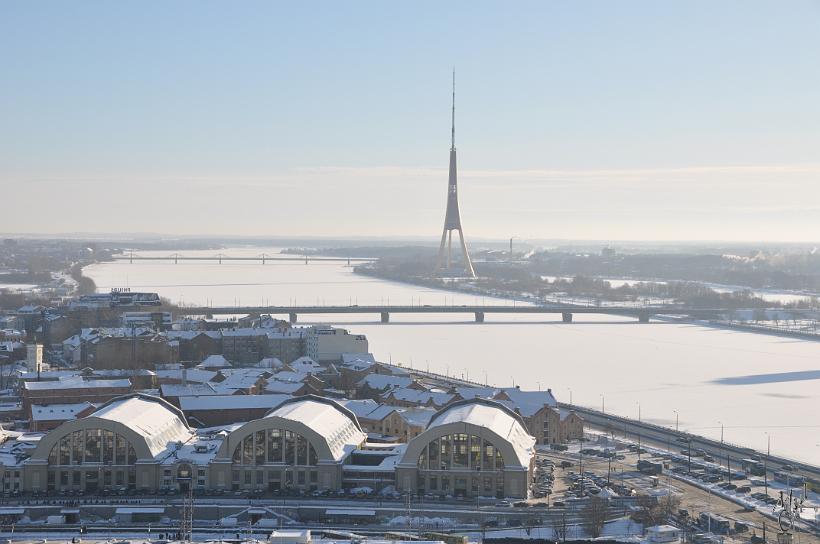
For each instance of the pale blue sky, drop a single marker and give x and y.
(575, 119)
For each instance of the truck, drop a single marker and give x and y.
(650, 467)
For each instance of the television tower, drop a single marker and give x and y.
(452, 219)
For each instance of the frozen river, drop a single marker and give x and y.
(752, 384)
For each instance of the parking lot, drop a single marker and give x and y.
(612, 470)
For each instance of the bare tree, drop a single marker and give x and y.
(668, 506)
(655, 511)
(594, 516)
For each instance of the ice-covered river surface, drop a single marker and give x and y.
(752, 384)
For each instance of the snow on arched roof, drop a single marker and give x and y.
(335, 423)
(151, 417)
(492, 416)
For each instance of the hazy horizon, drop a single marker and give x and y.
(583, 121)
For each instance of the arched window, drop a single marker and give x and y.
(275, 446)
(460, 452)
(98, 446)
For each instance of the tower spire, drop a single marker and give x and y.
(452, 218)
(453, 132)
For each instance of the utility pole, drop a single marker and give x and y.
(765, 463)
(608, 469)
(580, 457)
(689, 450)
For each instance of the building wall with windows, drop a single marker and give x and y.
(326, 344)
(120, 446)
(302, 444)
(470, 448)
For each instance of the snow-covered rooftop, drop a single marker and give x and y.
(153, 418)
(493, 416)
(335, 423)
(76, 382)
(529, 402)
(57, 412)
(191, 375)
(214, 361)
(384, 381)
(360, 407)
(231, 402)
(187, 390)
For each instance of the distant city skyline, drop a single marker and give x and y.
(634, 120)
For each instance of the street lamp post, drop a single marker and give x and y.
(721, 431)
(676, 420)
(603, 411)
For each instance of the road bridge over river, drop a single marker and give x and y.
(262, 258)
(642, 313)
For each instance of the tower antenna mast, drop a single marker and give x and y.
(452, 218)
(453, 131)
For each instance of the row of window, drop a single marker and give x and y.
(275, 446)
(275, 478)
(92, 446)
(460, 451)
(91, 479)
(487, 485)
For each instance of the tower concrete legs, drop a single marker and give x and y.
(566, 317)
(445, 254)
(293, 317)
(385, 317)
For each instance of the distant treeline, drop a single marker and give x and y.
(518, 279)
(85, 285)
(773, 271)
(26, 277)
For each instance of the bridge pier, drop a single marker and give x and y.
(643, 317)
(385, 317)
(292, 318)
(566, 317)
(479, 317)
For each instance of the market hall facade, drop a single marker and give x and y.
(141, 443)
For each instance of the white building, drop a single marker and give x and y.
(473, 447)
(326, 344)
(664, 534)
